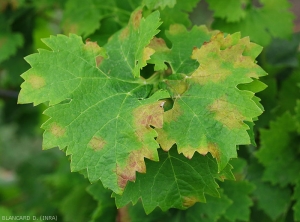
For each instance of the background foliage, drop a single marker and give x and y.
(35, 182)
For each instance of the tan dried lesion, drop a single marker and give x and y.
(36, 81)
(99, 60)
(97, 143)
(136, 19)
(189, 201)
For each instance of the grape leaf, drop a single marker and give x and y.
(98, 111)
(210, 211)
(279, 151)
(230, 10)
(4, 4)
(84, 20)
(137, 213)
(208, 107)
(289, 93)
(75, 212)
(179, 14)
(264, 191)
(9, 41)
(238, 192)
(296, 197)
(179, 56)
(154, 4)
(174, 182)
(7, 213)
(284, 52)
(262, 24)
(106, 209)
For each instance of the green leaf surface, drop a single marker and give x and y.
(230, 10)
(210, 211)
(183, 42)
(279, 151)
(137, 213)
(9, 42)
(238, 192)
(289, 93)
(265, 192)
(262, 23)
(174, 182)
(284, 52)
(208, 107)
(296, 197)
(154, 4)
(106, 209)
(75, 212)
(179, 14)
(85, 18)
(99, 111)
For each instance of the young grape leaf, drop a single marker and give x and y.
(262, 24)
(174, 182)
(279, 152)
(230, 10)
(98, 110)
(208, 107)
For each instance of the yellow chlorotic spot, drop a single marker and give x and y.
(214, 150)
(97, 143)
(189, 201)
(163, 139)
(70, 27)
(177, 29)
(146, 54)
(210, 72)
(227, 114)
(203, 149)
(36, 81)
(57, 130)
(124, 34)
(158, 44)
